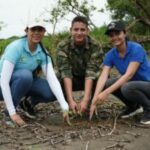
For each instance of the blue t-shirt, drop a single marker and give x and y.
(134, 53)
(19, 54)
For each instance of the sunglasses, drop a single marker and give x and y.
(39, 29)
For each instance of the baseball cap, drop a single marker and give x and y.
(35, 24)
(115, 26)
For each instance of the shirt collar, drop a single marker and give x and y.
(127, 49)
(38, 48)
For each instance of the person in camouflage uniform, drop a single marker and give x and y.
(78, 60)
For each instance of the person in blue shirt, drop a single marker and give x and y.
(17, 79)
(133, 84)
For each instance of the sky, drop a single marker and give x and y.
(15, 14)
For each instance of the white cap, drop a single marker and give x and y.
(36, 23)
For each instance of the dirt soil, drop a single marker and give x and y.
(49, 132)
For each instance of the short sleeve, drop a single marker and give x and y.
(108, 59)
(12, 53)
(138, 54)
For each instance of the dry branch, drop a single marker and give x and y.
(87, 145)
(111, 146)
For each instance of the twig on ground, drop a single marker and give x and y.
(101, 134)
(56, 142)
(114, 126)
(102, 126)
(40, 125)
(112, 146)
(134, 134)
(80, 136)
(125, 141)
(113, 129)
(87, 145)
(142, 126)
(33, 143)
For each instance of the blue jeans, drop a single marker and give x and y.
(23, 83)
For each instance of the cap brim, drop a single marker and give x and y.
(108, 31)
(36, 24)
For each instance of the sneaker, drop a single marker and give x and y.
(129, 112)
(26, 108)
(146, 118)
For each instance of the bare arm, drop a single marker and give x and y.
(131, 70)
(101, 82)
(68, 89)
(87, 94)
(102, 96)
(88, 89)
(99, 87)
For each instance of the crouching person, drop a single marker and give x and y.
(132, 87)
(17, 64)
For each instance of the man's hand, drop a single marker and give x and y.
(83, 106)
(17, 120)
(74, 107)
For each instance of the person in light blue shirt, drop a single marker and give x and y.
(18, 80)
(132, 87)
(18, 53)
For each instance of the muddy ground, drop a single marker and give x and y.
(49, 132)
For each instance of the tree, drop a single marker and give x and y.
(135, 12)
(55, 15)
(130, 9)
(76, 7)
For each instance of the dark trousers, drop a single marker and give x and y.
(132, 93)
(78, 84)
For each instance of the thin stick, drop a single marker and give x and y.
(125, 141)
(113, 129)
(99, 131)
(87, 145)
(40, 125)
(114, 126)
(134, 134)
(111, 146)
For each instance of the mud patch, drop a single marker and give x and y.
(49, 132)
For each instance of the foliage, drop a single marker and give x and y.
(130, 10)
(5, 42)
(136, 14)
(76, 7)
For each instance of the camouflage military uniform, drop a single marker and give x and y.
(79, 62)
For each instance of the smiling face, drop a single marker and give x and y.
(35, 34)
(117, 38)
(79, 32)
